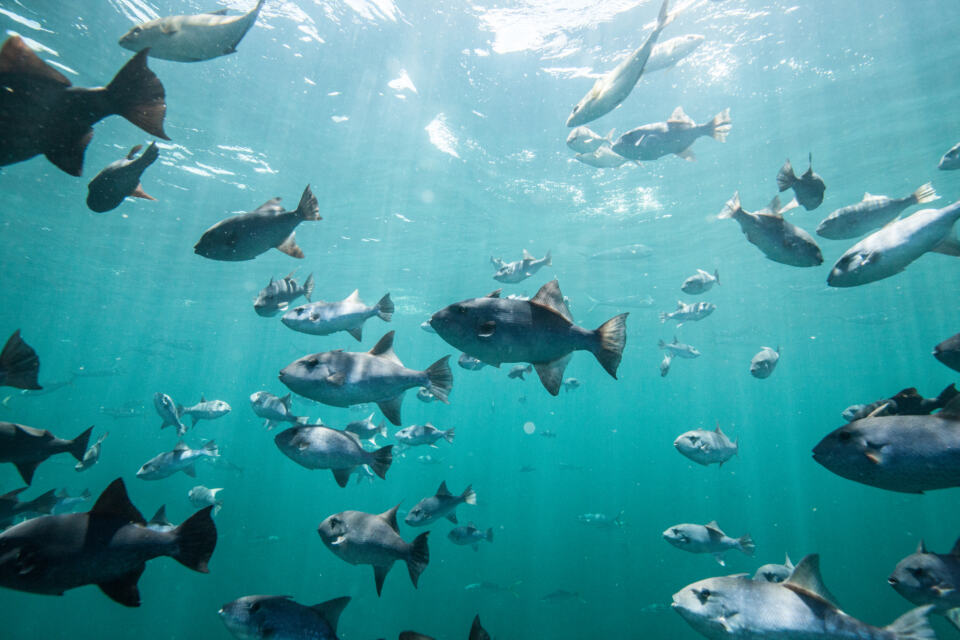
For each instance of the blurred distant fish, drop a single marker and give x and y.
(689, 312)
(621, 302)
(517, 371)
(167, 410)
(699, 538)
(423, 434)
(182, 458)
(493, 588)
(159, 521)
(764, 362)
(278, 294)
(669, 53)
(91, 455)
(626, 252)
(678, 349)
(273, 409)
(468, 362)
(19, 364)
(367, 429)
(951, 159)
(204, 410)
(67, 503)
(324, 318)
(425, 395)
(775, 572)
(562, 595)
(11, 507)
(601, 158)
(546, 433)
(469, 534)
(571, 384)
(520, 270)
(707, 447)
(675, 136)
(27, 447)
(443, 504)
(948, 352)
(602, 520)
(665, 364)
(809, 187)
(121, 179)
(701, 282)
(201, 496)
(583, 140)
(777, 238)
(871, 213)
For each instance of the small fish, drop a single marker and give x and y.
(324, 318)
(677, 349)
(367, 429)
(441, 505)
(469, 534)
(19, 364)
(630, 302)
(136, 410)
(689, 312)
(698, 538)
(247, 235)
(764, 362)
(167, 410)
(948, 352)
(518, 370)
(562, 595)
(777, 238)
(273, 409)
(278, 294)
(675, 136)
(809, 187)
(279, 617)
(520, 270)
(201, 496)
(775, 572)
(204, 410)
(527, 469)
(65, 503)
(667, 54)
(701, 282)
(107, 546)
(428, 459)
(871, 213)
(159, 521)
(493, 588)
(27, 447)
(602, 158)
(665, 364)
(182, 458)
(366, 538)
(425, 395)
(927, 578)
(320, 447)
(12, 508)
(602, 520)
(91, 455)
(626, 252)
(583, 140)
(468, 362)
(191, 38)
(707, 447)
(121, 179)
(41, 113)
(951, 159)
(571, 384)
(423, 434)
(546, 433)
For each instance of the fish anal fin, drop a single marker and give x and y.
(551, 373)
(356, 332)
(379, 575)
(140, 193)
(342, 476)
(67, 152)
(391, 408)
(26, 470)
(289, 246)
(124, 589)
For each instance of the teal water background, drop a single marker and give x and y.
(869, 88)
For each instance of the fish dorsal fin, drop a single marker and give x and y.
(719, 432)
(331, 610)
(787, 563)
(714, 528)
(527, 256)
(774, 207)
(922, 547)
(181, 446)
(353, 297)
(285, 400)
(549, 296)
(272, 205)
(160, 517)
(679, 117)
(384, 349)
(955, 551)
(494, 294)
(806, 580)
(390, 515)
(115, 503)
(443, 491)
(17, 57)
(952, 410)
(867, 195)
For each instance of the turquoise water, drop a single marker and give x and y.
(418, 187)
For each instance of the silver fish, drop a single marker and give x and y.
(871, 213)
(570, 384)
(182, 458)
(167, 410)
(668, 53)
(204, 410)
(443, 504)
(927, 578)
(777, 238)
(701, 282)
(808, 188)
(689, 312)
(92, 455)
(583, 140)
(468, 362)
(775, 572)
(279, 617)
(699, 538)
(677, 349)
(273, 409)
(707, 447)
(665, 364)
(367, 429)
(518, 370)
(601, 158)
(320, 447)
(324, 318)
(764, 362)
(675, 136)
(278, 294)
(423, 434)
(67, 503)
(602, 520)
(470, 535)
(201, 496)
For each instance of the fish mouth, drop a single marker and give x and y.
(892, 581)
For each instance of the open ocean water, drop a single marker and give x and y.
(433, 135)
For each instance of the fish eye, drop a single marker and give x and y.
(137, 30)
(916, 572)
(844, 436)
(255, 607)
(311, 362)
(461, 309)
(702, 595)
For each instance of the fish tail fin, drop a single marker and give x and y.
(469, 496)
(385, 308)
(913, 625)
(20, 363)
(308, 287)
(195, 540)
(382, 459)
(745, 542)
(448, 435)
(721, 124)
(786, 177)
(137, 94)
(419, 557)
(441, 379)
(611, 338)
(78, 446)
(925, 193)
(309, 208)
(731, 208)
(489, 534)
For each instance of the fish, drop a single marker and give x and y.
(191, 38)
(520, 270)
(517, 371)
(693, 312)
(583, 140)
(908, 454)
(893, 248)
(40, 112)
(280, 617)
(108, 546)
(324, 318)
(626, 252)
(423, 434)
(12, 508)
(269, 226)
(667, 54)
(675, 136)
(948, 352)
(764, 362)
(778, 239)
(201, 496)
(539, 331)
(546, 433)
(121, 179)
(570, 384)
(182, 458)
(808, 188)
(677, 349)
(468, 362)
(278, 294)
(775, 572)
(159, 521)
(26, 447)
(493, 588)
(320, 447)
(873, 212)
(630, 302)
(273, 409)
(927, 578)
(562, 595)
(204, 410)
(441, 505)
(801, 607)
(340, 378)
(905, 402)
(477, 632)
(469, 534)
(65, 503)
(699, 538)
(367, 430)
(19, 364)
(92, 455)
(167, 410)
(665, 364)
(602, 520)
(951, 159)
(701, 282)
(707, 447)
(601, 158)
(366, 538)
(613, 87)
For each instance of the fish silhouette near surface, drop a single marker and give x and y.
(808, 188)
(121, 179)
(324, 318)
(41, 113)
(280, 618)
(19, 364)
(27, 447)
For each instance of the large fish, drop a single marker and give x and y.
(108, 546)
(778, 239)
(539, 331)
(614, 87)
(890, 250)
(931, 578)
(801, 608)
(19, 364)
(323, 318)
(27, 447)
(871, 213)
(809, 187)
(280, 618)
(121, 179)
(245, 236)
(675, 136)
(41, 113)
(319, 447)
(341, 378)
(191, 38)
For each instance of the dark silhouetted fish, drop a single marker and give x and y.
(27, 447)
(121, 179)
(926, 578)
(907, 402)
(11, 507)
(279, 617)
(19, 364)
(948, 352)
(809, 187)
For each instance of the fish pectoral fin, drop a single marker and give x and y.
(191, 470)
(949, 247)
(379, 574)
(551, 373)
(391, 408)
(124, 589)
(342, 476)
(336, 379)
(873, 456)
(140, 193)
(356, 332)
(289, 246)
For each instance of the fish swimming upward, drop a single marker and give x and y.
(41, 113)
(121, 179)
